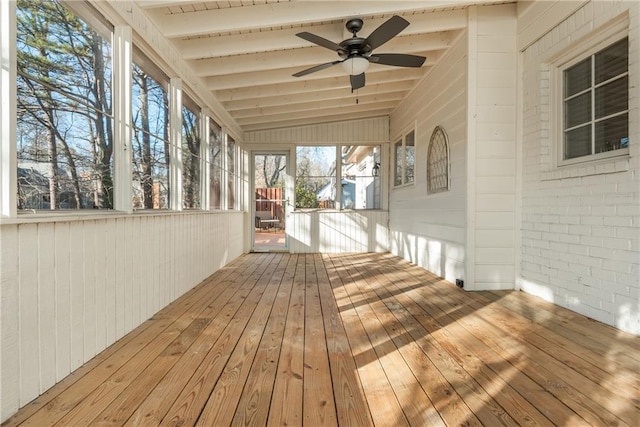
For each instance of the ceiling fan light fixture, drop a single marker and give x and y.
(355, 65)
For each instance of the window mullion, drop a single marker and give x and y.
(593, 104)
(224, 166)
(175, 144)
(205, 173)
(404, 160)
(122, 123)
(338, 201)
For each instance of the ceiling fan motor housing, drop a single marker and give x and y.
(355, 46)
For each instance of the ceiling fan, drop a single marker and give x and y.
(356, 52)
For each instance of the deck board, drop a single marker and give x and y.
(351, 340)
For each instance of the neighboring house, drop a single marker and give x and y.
(520, 204)
(33, 188)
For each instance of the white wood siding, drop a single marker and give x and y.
(491, 185)
(468, 232)
(536, 18)
(338, 232)
(580, 224)
(72, 288)
(429, 230)
(355, 131)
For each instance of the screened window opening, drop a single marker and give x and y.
(404, 159)
(316, 177)
(361, 177)
(64, 109)
(215, 167)
(231, 173)
(596, 103)
(397, 162)
(190, 155)
(150, 142)
(438, 162)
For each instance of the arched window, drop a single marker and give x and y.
(438, 162)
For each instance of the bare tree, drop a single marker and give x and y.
(64, 81)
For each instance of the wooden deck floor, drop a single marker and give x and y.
(279, 339)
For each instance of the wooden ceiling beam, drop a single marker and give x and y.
(331, 111)
(283, 89)
(366, 114)
(284, 75)
(308, 57)
(277, 39)
(281, 14)
(151, 4)
(315, 96)
(258, 41)
(369, 100)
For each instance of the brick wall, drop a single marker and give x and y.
(580, 230)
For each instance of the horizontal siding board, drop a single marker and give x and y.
(495, 185)
(494, 220)
(495, 273)
(495, 167)
(503, 61)
(503, 256)
(494, 238)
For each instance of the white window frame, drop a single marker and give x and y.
(586, 49)
(402, 139)
(227, 174)
(8, 120)
(119, 38)
(211, 120)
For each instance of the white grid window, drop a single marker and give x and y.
(595, 103)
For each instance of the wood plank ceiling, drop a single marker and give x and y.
(246, 51)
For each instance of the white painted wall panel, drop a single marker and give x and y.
(71, 288)
(28, 327)
(580, 228)
(9, 321)
(338, 232)
(61, 273)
